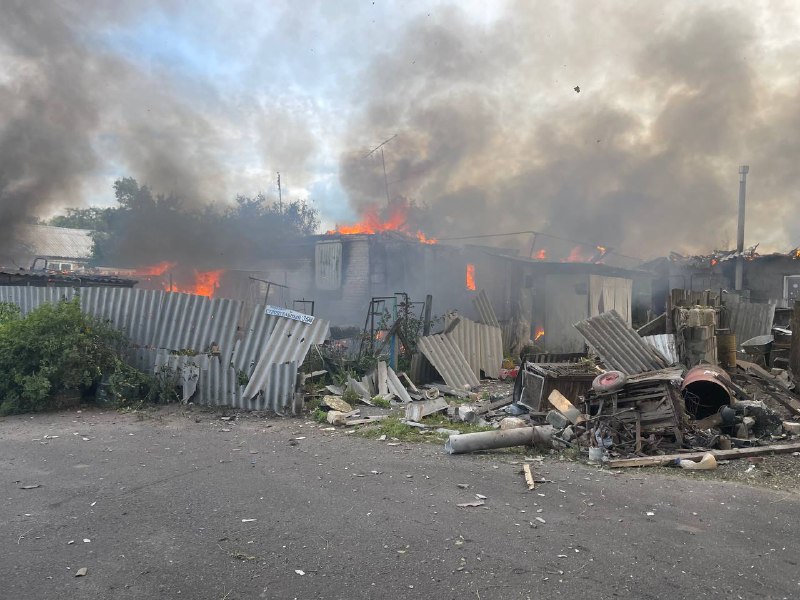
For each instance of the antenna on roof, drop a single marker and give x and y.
(383, 161)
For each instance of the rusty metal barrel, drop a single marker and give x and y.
(726, 349)
(705, 390)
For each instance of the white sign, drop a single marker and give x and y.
(277, 311)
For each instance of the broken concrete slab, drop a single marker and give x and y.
(416, 410)
(513, 423)
(336, 403)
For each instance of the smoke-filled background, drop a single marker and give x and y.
(492, 132)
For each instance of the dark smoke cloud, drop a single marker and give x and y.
(644, 158)
(68, 108)
(47, 113)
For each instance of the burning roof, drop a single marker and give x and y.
(394, 218)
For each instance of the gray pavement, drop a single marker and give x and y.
(176, 508)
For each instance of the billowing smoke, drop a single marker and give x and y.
(76, 113)
(48, 111)
(618, 127)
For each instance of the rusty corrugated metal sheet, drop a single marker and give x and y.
(749, 319)
(485, 309)
(665, 345)
(448, 360)
(618, 345)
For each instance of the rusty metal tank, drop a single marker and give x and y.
(705, 389)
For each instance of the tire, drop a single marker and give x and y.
(610, 381)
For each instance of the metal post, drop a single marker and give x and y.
(426, 324)
(743, 170)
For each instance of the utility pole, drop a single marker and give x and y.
(743, 170)
(383, 162)
(280, 195)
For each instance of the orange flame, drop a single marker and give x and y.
(797, 253)
(470, 276)
(714, 262)
(205, 284)
(372, 222)
(155, 270)
(574, 255)
(425, 239)
(539, 334)
(541, 254)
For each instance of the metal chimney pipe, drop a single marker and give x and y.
(743, 170)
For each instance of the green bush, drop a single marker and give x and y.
(8, 312)
(53, 353)
(129, 387)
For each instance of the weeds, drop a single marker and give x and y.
(393, 427)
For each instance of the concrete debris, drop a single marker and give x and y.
(337, 404)
(473, 504)
(636, 403)
(416, 410)
(512, 423)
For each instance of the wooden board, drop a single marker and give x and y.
(565, 407)
(655, 461)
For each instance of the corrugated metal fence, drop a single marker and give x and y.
(748, 320)
(201, 339)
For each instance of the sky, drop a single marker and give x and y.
(613, 122)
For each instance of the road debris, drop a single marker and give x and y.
(473, 504)
(81, 572)
(528, 476)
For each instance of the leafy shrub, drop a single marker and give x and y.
(130, 387)
(54, 352)
(8, 312)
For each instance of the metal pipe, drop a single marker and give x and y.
(541, 435)
(743, 170)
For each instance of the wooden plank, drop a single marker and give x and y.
(528, 476)
(565, 407)
(655, 461)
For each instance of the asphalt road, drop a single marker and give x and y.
(175, 508)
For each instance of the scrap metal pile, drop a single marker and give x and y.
(632, 401)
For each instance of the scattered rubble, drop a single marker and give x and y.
(647, 398)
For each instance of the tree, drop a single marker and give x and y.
(93, 218)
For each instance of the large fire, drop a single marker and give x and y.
(154, 270)
(373, 222)
(205, 284)
(166, 276)
(470, 276)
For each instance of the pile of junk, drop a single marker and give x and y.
(633, 401)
